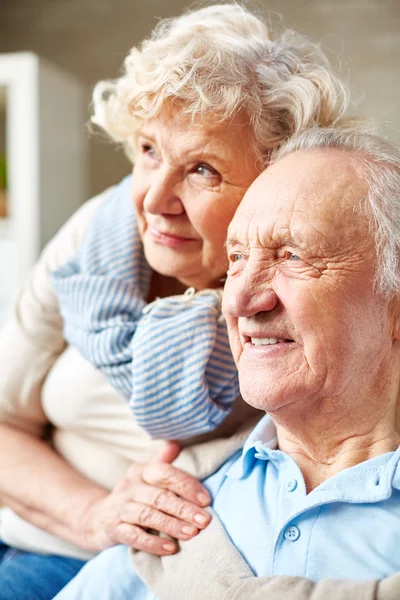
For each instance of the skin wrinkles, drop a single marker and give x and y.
(196, 152)
(332, 392)
(314, 257)
(188, 179)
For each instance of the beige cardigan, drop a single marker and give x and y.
(209, 567)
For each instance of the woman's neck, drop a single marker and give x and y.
(162, 287)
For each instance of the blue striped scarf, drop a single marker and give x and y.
(170, 359)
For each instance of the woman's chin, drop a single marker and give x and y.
(184, 272)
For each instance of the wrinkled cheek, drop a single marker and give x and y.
(234, 339)
(214, 257)
(141, 221)
(223, 263)
(137, 198)
(330, 361)
(139, 188)
(317, 362)
(213, 238)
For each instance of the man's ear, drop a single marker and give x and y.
(394, 315)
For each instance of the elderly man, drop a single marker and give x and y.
(312, 303)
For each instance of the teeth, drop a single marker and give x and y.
(266, 341)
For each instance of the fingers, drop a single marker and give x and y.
(180, 483)
(137, 538)
(160, 497)
(167, 502)
(149, 517)
(168, 453)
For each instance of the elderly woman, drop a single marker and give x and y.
(312, 303)
(200, 106)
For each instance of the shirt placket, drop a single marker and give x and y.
(293, 529)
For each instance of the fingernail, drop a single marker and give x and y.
(201, 519)
(188, 530)
(203, 498)
(169, 547)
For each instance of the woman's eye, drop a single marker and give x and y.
(148, 150)
(205, 171)
(290, 256)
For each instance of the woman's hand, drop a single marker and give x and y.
(155, 496)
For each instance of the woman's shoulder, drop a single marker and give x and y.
(70, 236)
(75, 227)
(81, 218)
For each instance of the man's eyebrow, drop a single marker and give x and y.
(231, 241)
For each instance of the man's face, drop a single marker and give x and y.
(305, 322)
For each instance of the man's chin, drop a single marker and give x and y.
(269, 400)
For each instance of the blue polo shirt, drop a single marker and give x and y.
(346, 528)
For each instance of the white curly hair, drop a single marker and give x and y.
(215, 63)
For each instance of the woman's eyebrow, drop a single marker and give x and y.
(202, 154)
(147, 136)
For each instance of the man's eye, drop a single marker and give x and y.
(235, 257)
(290, 256)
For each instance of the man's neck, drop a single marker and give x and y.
(325, 442)
(319, 464)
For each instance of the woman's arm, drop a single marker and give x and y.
(56, 498)
(35, 481)
(41, 487)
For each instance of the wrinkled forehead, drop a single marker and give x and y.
(314, 194)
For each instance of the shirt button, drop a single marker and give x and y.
(292, 485)
(292, 533)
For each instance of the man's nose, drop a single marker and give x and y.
(249, 295)
(162, 196)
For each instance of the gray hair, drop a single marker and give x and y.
(217, 62)
(380, 168)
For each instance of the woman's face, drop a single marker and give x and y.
(188, 180)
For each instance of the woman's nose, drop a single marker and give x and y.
(162, 197)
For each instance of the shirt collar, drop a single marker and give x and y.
(262, 442)
(261, 439)
(393, 469)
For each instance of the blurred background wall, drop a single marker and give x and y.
(89, 38)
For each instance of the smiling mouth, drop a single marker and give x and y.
(155, 231)
(268, 341)
(168, 238)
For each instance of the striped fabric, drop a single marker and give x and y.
(170, 359)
